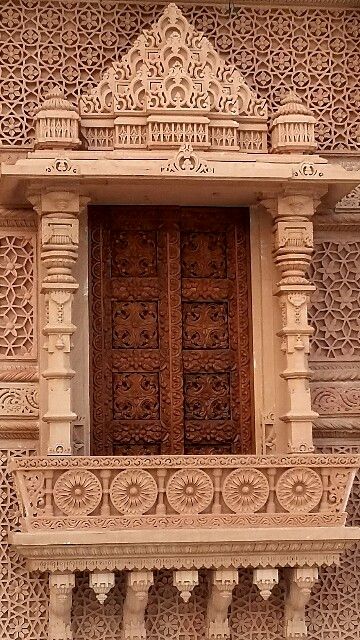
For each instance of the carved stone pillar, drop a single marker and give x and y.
(293, 247)
(299, 585)
(59, 239)
(137, 591)
(60, 587)
(221, 588)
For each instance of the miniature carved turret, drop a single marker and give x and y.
(57, 123)
(293, 128)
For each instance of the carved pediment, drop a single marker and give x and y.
(173, 88)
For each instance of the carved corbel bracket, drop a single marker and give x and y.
(137, 589)
(60, 588)
(265, 580)
(299, 584)
(221, 588)
(185, 581)
(101, 583)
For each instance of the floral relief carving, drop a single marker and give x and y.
(77, 492)
(187, 161)
(299, 490)
(245, 491)
(17, 296)
(189, 491)
(133, 491)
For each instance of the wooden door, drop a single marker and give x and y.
(170, 336)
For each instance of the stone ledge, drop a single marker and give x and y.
(184, 549)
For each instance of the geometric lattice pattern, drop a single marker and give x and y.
(23, 597)
(71, 44)
(16, 296)
(335, 305)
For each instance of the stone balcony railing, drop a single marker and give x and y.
(107, 514)
(165, 498)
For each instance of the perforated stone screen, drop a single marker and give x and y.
(70, 43)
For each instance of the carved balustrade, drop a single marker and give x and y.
(179, 492)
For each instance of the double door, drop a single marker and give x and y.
(170, 336)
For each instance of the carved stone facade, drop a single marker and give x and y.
(273, 47)
(222, 326)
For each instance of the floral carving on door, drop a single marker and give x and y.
(170, 331)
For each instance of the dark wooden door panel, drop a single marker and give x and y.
(170, 331)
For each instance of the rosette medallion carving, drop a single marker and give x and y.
(245, 491)
(133, 491)
(299, 490)
(190, 491)
(77, 492)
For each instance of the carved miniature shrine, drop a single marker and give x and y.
(179, 344)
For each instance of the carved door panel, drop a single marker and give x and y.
(170, 331)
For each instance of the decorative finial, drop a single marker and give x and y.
(56, 122)
(293, 128)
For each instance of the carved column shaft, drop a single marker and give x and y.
(293, 247)
(59, 239)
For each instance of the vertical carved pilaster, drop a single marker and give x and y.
(293, 247)
(299, 585)
(59, 240)
(137, 590)
(60, 587)
(221, 588)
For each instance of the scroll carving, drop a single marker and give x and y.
(300, 583)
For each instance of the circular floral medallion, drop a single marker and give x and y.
(299, 489)
(189, 491)
(77, 492)
(245, 490)
(133, 491)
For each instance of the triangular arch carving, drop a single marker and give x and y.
(173, 88)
